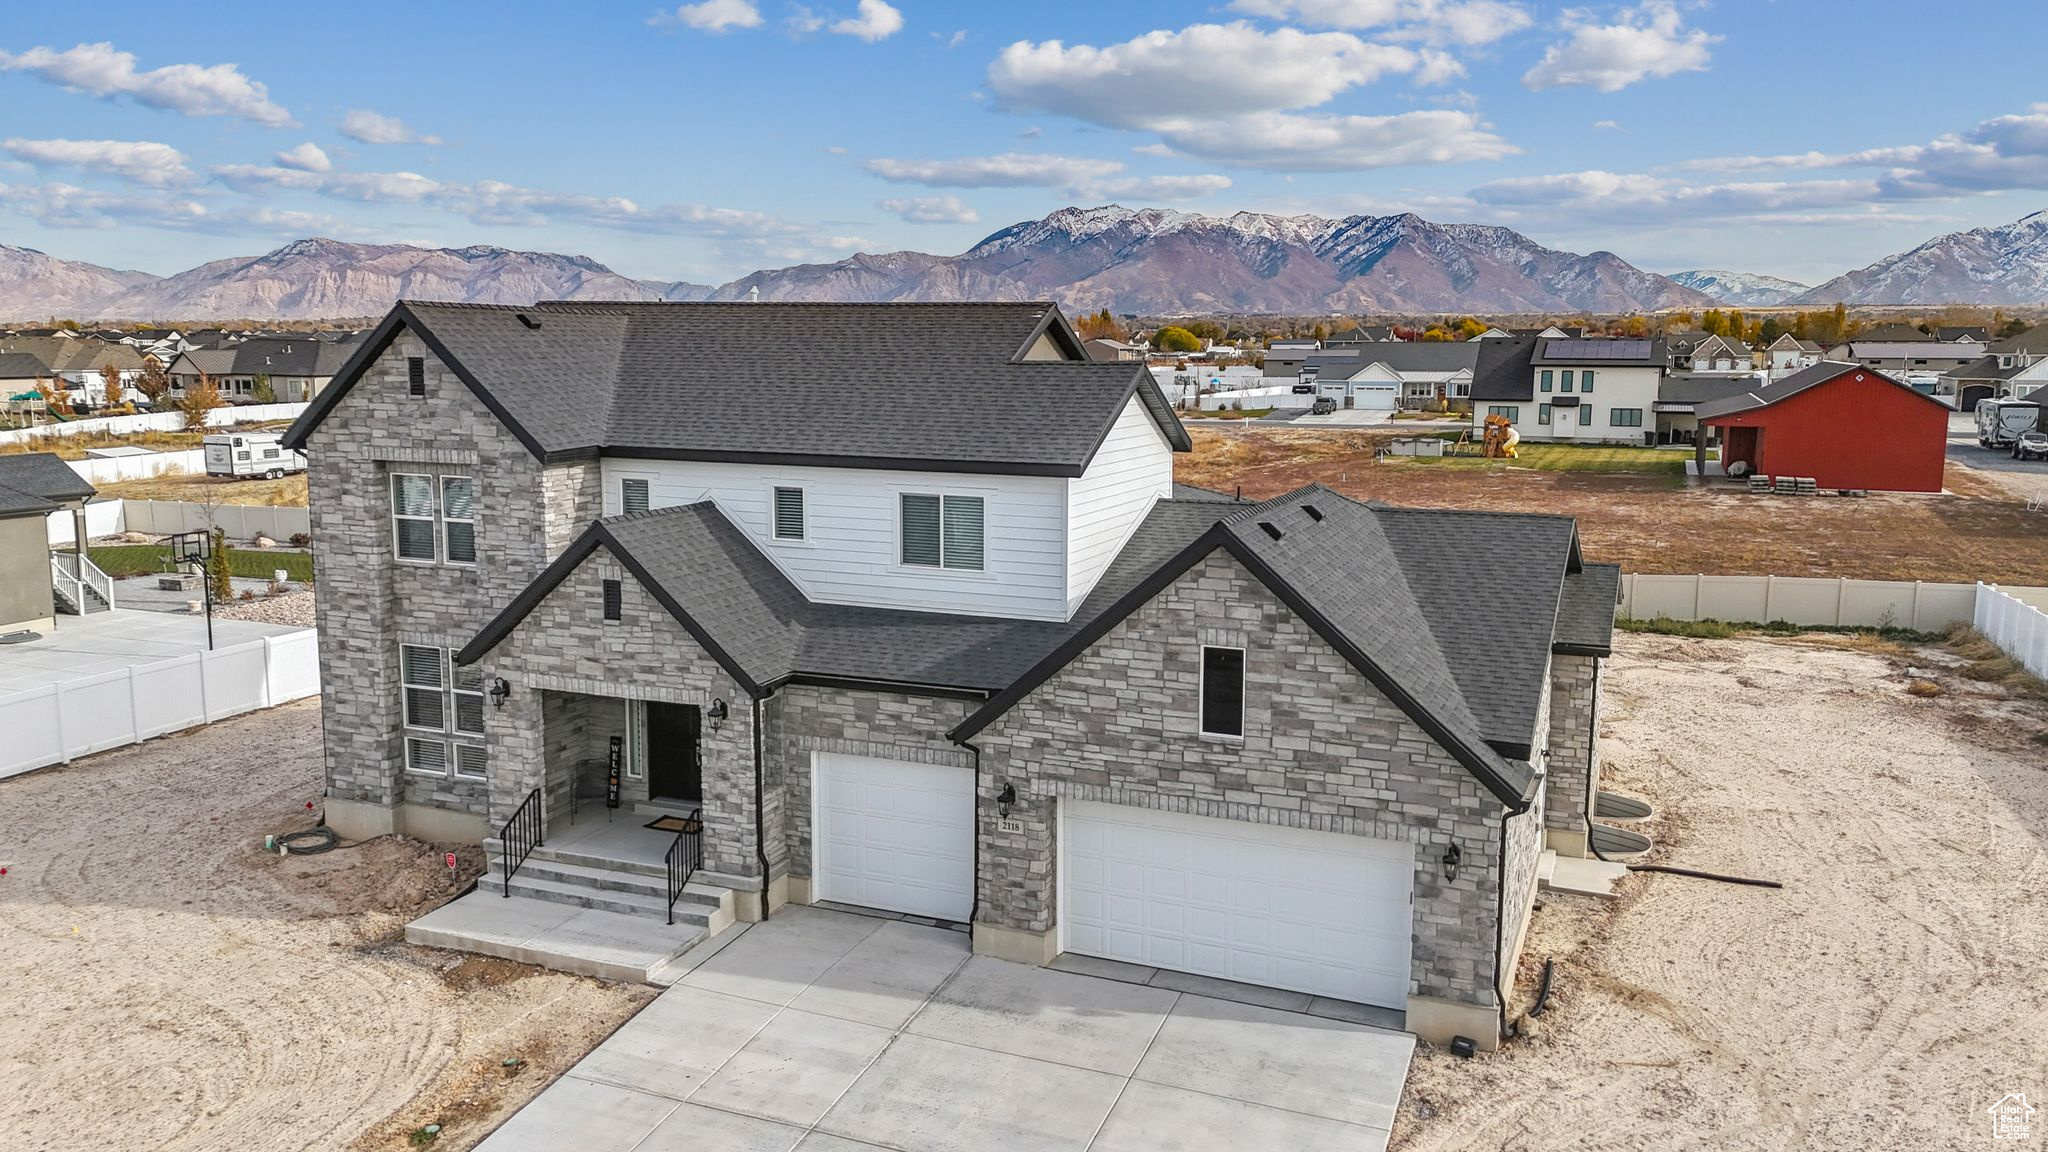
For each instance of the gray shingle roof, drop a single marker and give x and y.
(1455, 611)
(1502, 372)
(37, 481)
(1585, 612)
(1791, 386)
(928, 386)
(22, 366)
(1687, 388)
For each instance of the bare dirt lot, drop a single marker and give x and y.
(199, 488)
(1979, 530)
(172, 986)
(1887, 996)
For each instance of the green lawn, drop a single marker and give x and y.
(1574, 458)
(144, 559)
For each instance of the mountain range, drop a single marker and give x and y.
(1147, 261)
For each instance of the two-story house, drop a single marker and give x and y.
(1586, 391)
(925, 626)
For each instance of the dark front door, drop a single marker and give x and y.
(675, 768)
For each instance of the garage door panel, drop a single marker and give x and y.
(1315, 912)
(895, 835)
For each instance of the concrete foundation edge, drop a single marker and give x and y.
(1014, 944)
(1566, 843)
(1437, 1021)
(361, 820)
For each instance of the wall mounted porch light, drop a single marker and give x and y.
(1452, 856)
(717, 710)
(1006, 800)
(499, 688)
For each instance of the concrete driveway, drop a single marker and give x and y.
(822, 1030)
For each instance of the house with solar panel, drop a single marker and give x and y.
(684, 630)
(1570, 390)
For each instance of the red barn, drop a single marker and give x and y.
(1844, 425)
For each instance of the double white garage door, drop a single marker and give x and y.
(1314, 912)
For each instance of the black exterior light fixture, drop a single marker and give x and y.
(1452, 856)
(500, 688)
(716, 711)
(1006, 800)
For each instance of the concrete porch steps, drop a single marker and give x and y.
(564, 937)
(697, 903)
(609, 878)
(545, 852)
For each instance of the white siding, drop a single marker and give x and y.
(851, 519)
(1105, 504)
(1612, 388)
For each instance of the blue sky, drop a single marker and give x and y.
(704, 140)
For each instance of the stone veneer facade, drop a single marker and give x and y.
(370, 602)
(1322, 749)
(1574, 730)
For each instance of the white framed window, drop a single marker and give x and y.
(426, 757)
(943, 531)
(632, 495)
(468, 692)
(458, 519)
(412, 516)
(426, 704)
(470, 761)
(788, 513)
(1222, 692)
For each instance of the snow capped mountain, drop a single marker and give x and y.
(1742, 289)
(2003, 265)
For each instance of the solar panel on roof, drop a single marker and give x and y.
(1597, 349)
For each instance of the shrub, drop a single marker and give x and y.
(218, 573)
(301, 540)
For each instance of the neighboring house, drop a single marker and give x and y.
(1967, 333)
(1114, 350)
(1788, 353)
(1893, 333)
(1679, 396)
(965, 666)
(296, 367)
(1363, 334)
(2013, 374)
(1570, 390)
(1907, 356)
(215, 363)
(1843, 425)
(1384, 376)
(1698, 353)
(33, 485)
(78, 363)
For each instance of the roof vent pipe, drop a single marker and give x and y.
(1314, 513)
(754, 294)
(529, 321)
(1270, 529)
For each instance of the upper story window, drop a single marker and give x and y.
(1565, 384)
(789, 514)
(942, 531)
(632, 496)
(1547, 379)
(1586, 380)
(441, 700)
(427, 530)
(1222, 691)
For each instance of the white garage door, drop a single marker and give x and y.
(1374, 397)
(893, 834)
(1315, 912)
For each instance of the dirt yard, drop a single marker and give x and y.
(172, 986)
(197, 488)
(1979, 530)
(1887, 996)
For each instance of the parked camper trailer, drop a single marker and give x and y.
(248, 454)
(2000, 422)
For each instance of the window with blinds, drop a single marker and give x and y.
(943, 531)
(412, 516)
(789, 513)
(420, 669)
(458, 519)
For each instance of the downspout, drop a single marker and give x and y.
(974, 906)
(760, 818)
(1500, 925)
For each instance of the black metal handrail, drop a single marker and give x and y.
(685, 856)
(520, 836)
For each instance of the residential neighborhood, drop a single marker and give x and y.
(1280, 575)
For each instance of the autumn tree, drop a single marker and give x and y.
(56, 400)
(110, 383)
(197, 401)
(1174, 338)
(1099, 326)
(1471, 328)
(155, 379)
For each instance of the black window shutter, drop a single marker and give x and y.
(416, 375)
(613, 597)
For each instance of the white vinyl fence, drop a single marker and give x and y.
(58, 723)
(144, 467)
(162, 517)
(155, 422)
(1925, 607)
(2018, 628)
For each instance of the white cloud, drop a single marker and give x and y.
(802, 21)
(1468, 22)
(953, 41)
(1009, 170)
(874, 20)
(1169, 83)
(365, 126)
(712, 15)
(2000, 154)
(1640, 197)
(1649, 40)
(1607, 125)
(307, 157)
(68, 206)
(143, 161)
(192, 89)
(930, 209)
(1156, 187)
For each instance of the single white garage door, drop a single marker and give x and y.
(1375, 397)
(1314, 912)
(893, 834)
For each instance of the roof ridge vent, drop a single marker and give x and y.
(529, 321)
(1271, 529)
